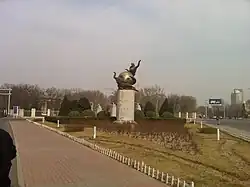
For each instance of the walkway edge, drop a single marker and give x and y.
(140, 166)
(19, 166)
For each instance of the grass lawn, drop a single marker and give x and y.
(218, 163)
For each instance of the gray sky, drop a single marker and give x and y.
(193, 47)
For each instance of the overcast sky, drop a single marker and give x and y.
(192, 47)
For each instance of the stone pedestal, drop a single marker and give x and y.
(125, 106)
(113, 110)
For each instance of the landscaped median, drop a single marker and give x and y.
(208, 162)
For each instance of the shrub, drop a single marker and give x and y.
(149, 107)
(73, 127)
(65, 107)
(150, 114)
(88, 114)
(74, 106)
(164, 107)
(139, 114)
(167, 115)
(208, 130)
(74, 114)
(102, 115)
(84, 104)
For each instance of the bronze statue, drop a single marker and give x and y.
(132, 69)
(126, 79)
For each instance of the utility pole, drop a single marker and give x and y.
(206, 107)
(9, 94)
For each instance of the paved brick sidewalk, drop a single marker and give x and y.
(51, 160)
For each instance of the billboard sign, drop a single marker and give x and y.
(215, 102)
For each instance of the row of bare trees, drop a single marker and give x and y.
(233, 111)
(28, 96)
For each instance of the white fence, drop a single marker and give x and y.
(34, 113)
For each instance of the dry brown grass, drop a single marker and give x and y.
(215, 163)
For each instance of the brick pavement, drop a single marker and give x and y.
(51, 160)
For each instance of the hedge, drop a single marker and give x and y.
(143, 125)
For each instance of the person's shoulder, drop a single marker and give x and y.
(5, 136)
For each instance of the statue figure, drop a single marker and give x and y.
(132, 69)
(126, 79)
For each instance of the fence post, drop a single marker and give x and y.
(167, 178)
(145, 169)
(94, 135)
(162, 176)
(178, 182)
(142, 166)
(218, 134)
(157, 174)
(192, 184)
(138, 166)
(172, 181)
(149, 170)
(184, 183)
(153, 173)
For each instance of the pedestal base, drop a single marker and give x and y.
(128, 125)
(125, 122)
(125, 106)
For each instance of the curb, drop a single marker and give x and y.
(18, 162)
(135, 164)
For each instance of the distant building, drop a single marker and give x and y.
(237, 97)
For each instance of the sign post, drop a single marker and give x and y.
(217, 102)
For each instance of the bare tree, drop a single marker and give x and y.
(155, 94)
(187, 103)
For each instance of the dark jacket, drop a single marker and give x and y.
(7, 153)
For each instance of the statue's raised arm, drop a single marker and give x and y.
(138, 64)
(133, 68)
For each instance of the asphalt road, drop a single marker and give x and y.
(4, 124)
(240, 124)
